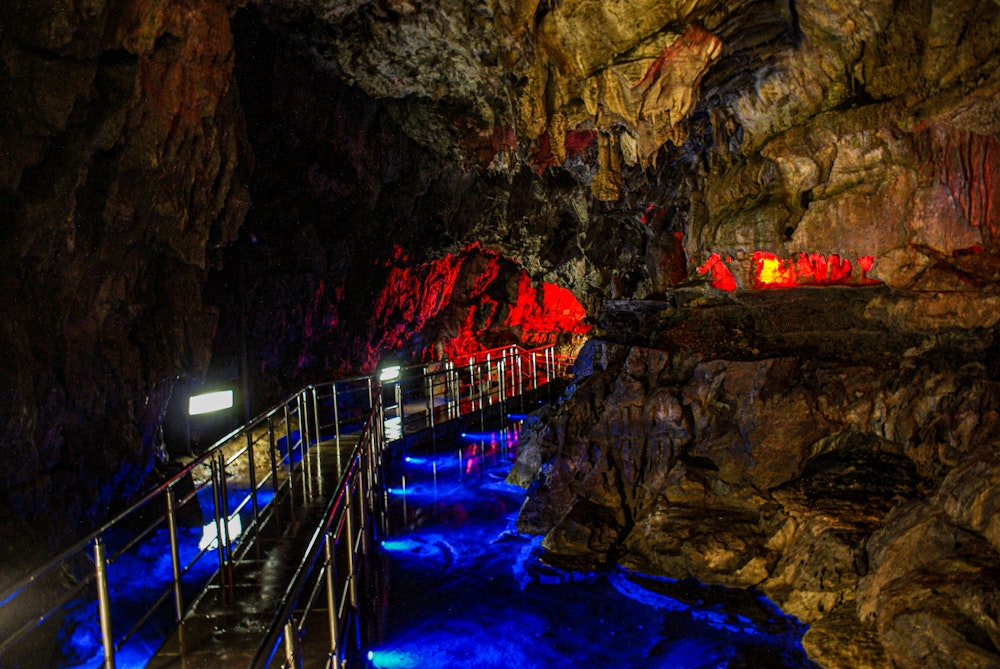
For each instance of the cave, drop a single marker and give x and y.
(764, 230)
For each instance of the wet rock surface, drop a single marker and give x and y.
(862, 491)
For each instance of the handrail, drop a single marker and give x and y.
(490, 377)
(339, 506)
(500, 369)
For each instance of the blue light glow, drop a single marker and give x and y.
(400, 545)
(392, 659)
(486, 436)
(461, 562)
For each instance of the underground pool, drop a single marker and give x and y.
(465, 589)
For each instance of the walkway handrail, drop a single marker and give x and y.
(490, 375)
(352, 510)
(286, 421)
(340, 518)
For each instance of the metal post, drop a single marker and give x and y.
(272, 454)
(288, 435)
(400, 412)
(304, 439)
(315, 410)
(336, 425)
(175, 559)
(304, 424)
(429, 389)
(534, 370)
(293, 653)
(489, 377)
(252, 472)
(219, 524)
(520, 376)
(331, 600)
(502, 372)
(351, 567)
(362, 515)
(104, 603)
(224, 499)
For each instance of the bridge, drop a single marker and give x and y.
(259, 552)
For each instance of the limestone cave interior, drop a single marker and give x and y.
(765, 228)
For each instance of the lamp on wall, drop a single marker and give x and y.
(389, 374)
(210, 402)
(207, 403)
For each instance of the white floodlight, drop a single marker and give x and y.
(209, 402)
(389, 374)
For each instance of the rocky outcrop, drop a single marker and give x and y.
(858, 497)
(123, 149)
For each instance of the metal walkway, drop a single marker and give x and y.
(257, 553)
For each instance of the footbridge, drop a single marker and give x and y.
(260, 552)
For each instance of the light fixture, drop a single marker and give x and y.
(209, 402)
(389, 374)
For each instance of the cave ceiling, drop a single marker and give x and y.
(856, 129)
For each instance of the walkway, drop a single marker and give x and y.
(231, 578)
(224, 627)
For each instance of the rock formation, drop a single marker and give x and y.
(856, 495)
(779, 218)
(123, 147)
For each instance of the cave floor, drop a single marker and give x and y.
(466, 589)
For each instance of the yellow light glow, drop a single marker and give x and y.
(773, 273)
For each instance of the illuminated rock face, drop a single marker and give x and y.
(861, 131)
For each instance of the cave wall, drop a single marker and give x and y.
(858, 497)
(612, 149)
(123, 151)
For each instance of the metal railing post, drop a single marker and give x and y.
(429, 389)
(520, 375)
(224, 499)
(175, 559)
(400, 412)
(219, 522)
(331, 602)
(352, 576)
(252, 473)
(104, 603)
(273, 455)
(293, 653)
(336, 424)
(304, 435)
(319, 428)
(489, 377)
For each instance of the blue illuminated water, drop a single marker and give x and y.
(467, 590)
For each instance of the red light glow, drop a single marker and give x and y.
(809, 269)
(722, 277)
(768, 270)
(459, 305)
